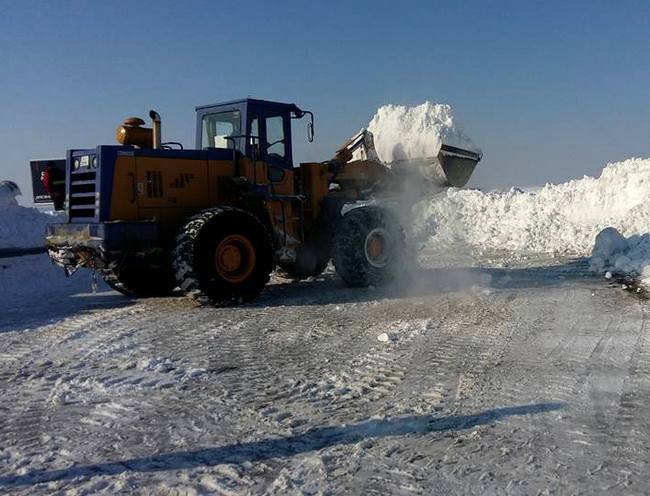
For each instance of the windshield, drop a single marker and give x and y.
(218, 127)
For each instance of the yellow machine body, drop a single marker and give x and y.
(169, 190)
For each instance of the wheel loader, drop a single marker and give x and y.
(214, 221)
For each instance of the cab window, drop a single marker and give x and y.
(218, 127)
(275, 137)
(255, 131)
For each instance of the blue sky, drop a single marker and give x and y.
(549, 90)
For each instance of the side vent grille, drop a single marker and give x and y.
(154, 184)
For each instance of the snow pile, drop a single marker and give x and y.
(9, 190)
(614, 253)
(22, 227)
(405, 133)
(560, 219)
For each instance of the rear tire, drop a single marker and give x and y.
(369, 247)
(223, 255)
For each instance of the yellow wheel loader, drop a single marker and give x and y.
(214, 221)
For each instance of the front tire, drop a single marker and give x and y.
(223, 255)
(369, 247)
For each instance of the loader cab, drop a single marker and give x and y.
(258, 129)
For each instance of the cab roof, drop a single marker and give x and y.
(291, 107)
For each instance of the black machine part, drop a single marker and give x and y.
(458, 164)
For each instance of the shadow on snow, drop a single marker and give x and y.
(50, 309)
(311, 440)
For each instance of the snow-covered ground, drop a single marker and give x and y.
(521, 380)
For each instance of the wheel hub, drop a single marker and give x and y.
(377, 247)
(235, 258)
(230, 258)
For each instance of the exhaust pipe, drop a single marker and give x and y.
(155, 117)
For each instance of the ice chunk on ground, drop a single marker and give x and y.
(195, 372)
(387, 337)
(608, 242)
(615, 254)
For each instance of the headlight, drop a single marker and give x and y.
(94, 162)
(75, 165)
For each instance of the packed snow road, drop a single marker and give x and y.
(529, 379)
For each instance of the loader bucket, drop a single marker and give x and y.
(457, 164)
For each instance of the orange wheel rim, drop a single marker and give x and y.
(234, 258)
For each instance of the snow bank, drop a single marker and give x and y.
(404, 133)
(22, 227)
(561, 219)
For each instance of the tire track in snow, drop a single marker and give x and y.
(279, 363)
(452, 361)
(27, 388)
(450, 351)
(27, 343)
(90, 347)
(351, 384)
(80, 360)
(572, 364)
(629, 431)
